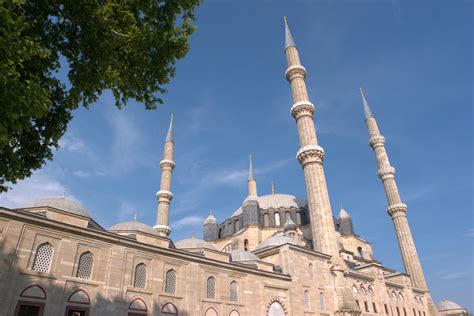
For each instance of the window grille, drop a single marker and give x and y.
(307, 304)
(322, 302)
(170, 281)
(211, 287)
(84, 268)
(140, 276)
(43, 258)
(233, 291)
(311, 271)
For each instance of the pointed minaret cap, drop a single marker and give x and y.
(343, 213)
(288, 37)
(210, 219)
(169, 136)
(251, 174)
(289, 224)
(367, 111)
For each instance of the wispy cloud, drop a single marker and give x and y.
(456, 275)
(469, 232)
(127, 211)
(187, 221)
(41, 184)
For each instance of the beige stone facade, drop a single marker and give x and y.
(276, 255)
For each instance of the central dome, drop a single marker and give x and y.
(131, 226)
(62, 204)
(277, 240)
(276, 201)
(194, 243)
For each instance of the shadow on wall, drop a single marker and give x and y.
(34, 293)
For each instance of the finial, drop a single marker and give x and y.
(288, 37)
(251, 174)
(169, 136)
(135, 217)
(273, 188)
(367, 111)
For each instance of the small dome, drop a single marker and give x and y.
(132, 226)
(445, 305)
(193, 243)
(62, 204)
(275, 201)
(242, 255)
(289, 224)
(210, 219)
(277, 240)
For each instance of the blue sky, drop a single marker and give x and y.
(230, 98)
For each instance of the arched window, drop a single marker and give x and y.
(366, 305)
(307, 303)
(43, 258)
(227, 248)
(170, 281)
(234, 289)
(84, 268)
(211, 287)
(354, 289)
(298, 218)
(311, 271)
(234, 313)
(276, 309)
(246, 244)
(277, 219)
(236, 224)
(266, 220)
(360, 251)
(322, 301)
(140, 276)
(287, 215)
(137, 306)
(169, 309)
(211, 312)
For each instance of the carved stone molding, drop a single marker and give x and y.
(310, 153)
(164, 195)
(396, 210)
(302, 108)
(295, 71)
(386, 172)
(377, 141)
(162, 230)
(276, 300)
(166, 163)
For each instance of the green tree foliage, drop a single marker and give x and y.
(129, 47)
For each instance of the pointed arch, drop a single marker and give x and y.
(140, 276)
(170, 281)
(85, 265)
(234, 291)
(34, 291)
(169, 309)
(211, 287)
(137, 305)
(211, 311)
(234, 312)
(276, 308)
(311, 271)
(322, 301)
(307, 302)
(43, 257)
(79, 297)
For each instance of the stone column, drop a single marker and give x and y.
(396, 209)
(165, 196)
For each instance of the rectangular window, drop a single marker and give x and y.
(386, 309)
(366, 305)
(374, 307)
(398, 311)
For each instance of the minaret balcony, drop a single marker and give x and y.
(295, 71)
(310, 153)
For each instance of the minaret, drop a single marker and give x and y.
(252, 183)
(396, 209)
(310, 155)
(164, 195)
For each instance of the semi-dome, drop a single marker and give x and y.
(277, 240)
(62, 204)
(132, 226)
(242, 255)
(446, 305)
(276, 201)
(289, 224)
(194, 243)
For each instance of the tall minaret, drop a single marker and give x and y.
(164, 195)
(396, 208)
(252, 183)
(310, 155)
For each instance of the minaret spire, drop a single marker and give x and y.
(311, 156)
(288, 37)
(252, 182)
(367, 111)
(396, 208)
(164, 195)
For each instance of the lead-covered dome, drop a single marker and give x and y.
(194, 243)
(277, 240)
(132, 226)
(276, 201)
(446, 305)
(62, 204)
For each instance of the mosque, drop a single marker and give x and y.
(276, 255)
